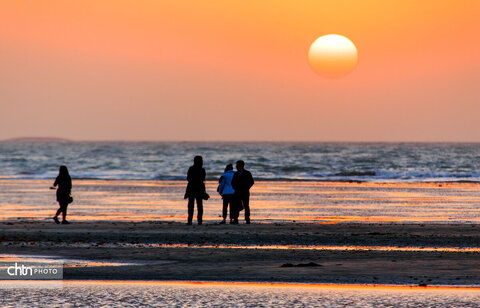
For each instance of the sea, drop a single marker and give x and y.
(295, 182)
(285, 161)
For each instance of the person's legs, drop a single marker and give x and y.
(64, 211)
(234, 212)
(199, 210)
(246, 206)
(231, 205)
(191, 204)
(55, 218)
(226, 200)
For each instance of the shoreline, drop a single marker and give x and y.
(183, 181)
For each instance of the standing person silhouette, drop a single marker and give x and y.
(64, 182)
(242, 182)
(226, 190)
(196, 189)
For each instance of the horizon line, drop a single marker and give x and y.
(61, 139)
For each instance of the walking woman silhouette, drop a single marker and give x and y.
(64, 183)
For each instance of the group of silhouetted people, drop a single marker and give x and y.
(234, 187)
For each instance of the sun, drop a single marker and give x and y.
(333, 56)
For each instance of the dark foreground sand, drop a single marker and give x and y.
(136, 242)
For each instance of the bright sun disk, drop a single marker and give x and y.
(333, 56)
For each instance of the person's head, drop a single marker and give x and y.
(198, 161)
(63, 171)
(229, 167)
(240, 165)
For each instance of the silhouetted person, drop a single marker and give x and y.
(64, 183)
(242, 182)
(195, 189)
(226, 190)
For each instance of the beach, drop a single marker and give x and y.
(301, 232)
(271, 202)
(399, 254)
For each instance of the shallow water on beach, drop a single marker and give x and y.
(94, 294)
(319, 202)
(7, 259)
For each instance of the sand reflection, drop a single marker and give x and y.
(311, 202)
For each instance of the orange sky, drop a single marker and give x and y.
(238, 70)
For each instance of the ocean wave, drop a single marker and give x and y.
(266, 161)
(356, 173)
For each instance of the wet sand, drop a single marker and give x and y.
(271, 202)
(330, 253)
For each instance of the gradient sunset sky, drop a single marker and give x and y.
(238, 70)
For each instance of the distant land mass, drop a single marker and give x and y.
(38, 139)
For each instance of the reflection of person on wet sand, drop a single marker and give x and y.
(226, 190)
(196, 189)
(64, 182)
